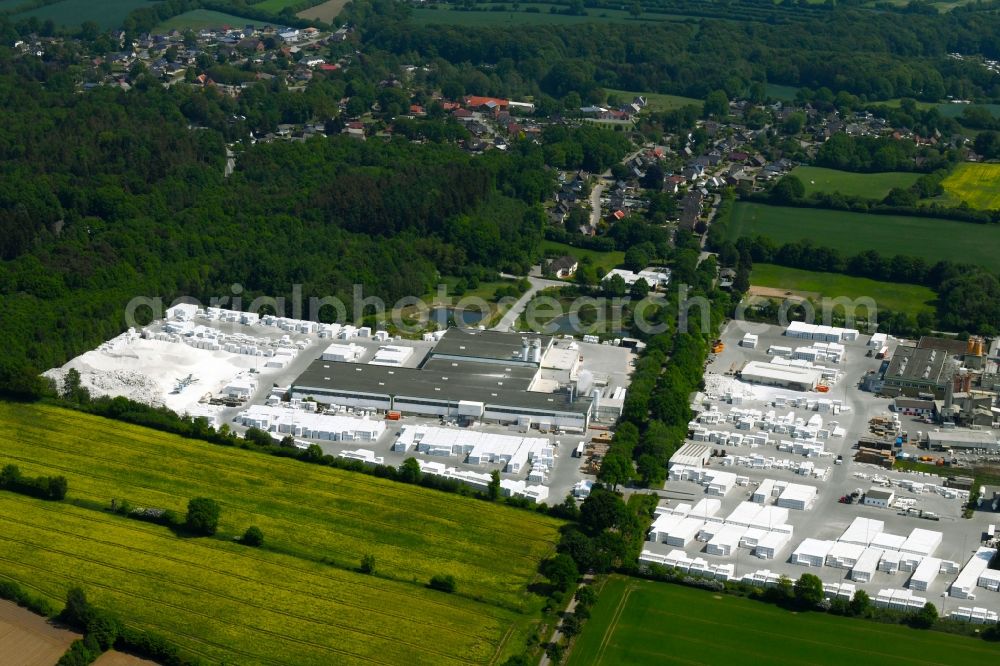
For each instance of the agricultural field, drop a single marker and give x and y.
(199, 19)
(446, 15)
(933, 239)
(27, 639)
(909, 298)
(865, 185)
(657, 101)
(784, 93)
(298, 599)
(644, 622)
(977, 184)
(602, 260)
(326, 11)
(107, 14)
(275, 6)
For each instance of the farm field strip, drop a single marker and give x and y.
(165, 449)
(159, 581)
(285, 516)
(297, 599)
(325, 11)
(287, 530)
(643, 622)
(976, 184)
(865, 185)
(114, 465)
(107, 14)
(334, 579)
(892, 295)
(332, 593)
(197, 19)
(932, 239)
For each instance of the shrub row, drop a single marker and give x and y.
(43, 487)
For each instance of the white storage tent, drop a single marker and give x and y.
(965, 585)
(921, 542)
(772, 543)
(890, 561)
(866, 565)
(888, 541)
(721, 483)
(684, 532)
(844, 555)
(925, 574)
(752, 537)
(726, 540)
(811, 552)
(862, 531)
(797, 496)
(662, 526)
(705, 508)
(744, 514)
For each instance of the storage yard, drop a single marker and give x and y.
(788, 470)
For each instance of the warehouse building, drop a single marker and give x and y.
(916, 370)
(311, 425)
(691, 455)
(879, 498)
(804, 331)
(954, 438)
(783, 376)
(469, 374)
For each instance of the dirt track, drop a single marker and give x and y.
(772, 292)
(27, 639)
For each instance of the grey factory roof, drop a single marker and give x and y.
(913, 364)
(474, 343)
(489, 383)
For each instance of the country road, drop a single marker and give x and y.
(509, 318)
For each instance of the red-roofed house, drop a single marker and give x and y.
(475, 102)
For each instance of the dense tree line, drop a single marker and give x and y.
(43, 487)
(874, 55)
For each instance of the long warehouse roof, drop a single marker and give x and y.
(489, 383)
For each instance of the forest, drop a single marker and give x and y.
(873, 55)
(109, 195)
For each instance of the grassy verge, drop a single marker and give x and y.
(894, 296)
(644, 622)
(933, 239)
(865, 185)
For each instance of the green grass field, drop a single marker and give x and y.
(198, 19)
(642, 622)
(930, 238)
(107, 14)
(325, 11)
(297, 599)
(605, 260)
(446, 15)
(866, 185)
(658, 101)
(977, 184)
(897, 297)
(784, 93)
(275, 6)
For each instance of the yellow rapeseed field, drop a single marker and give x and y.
(977, 184)
(298, 599)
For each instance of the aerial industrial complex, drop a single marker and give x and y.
(464, 402)
(790, 466)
